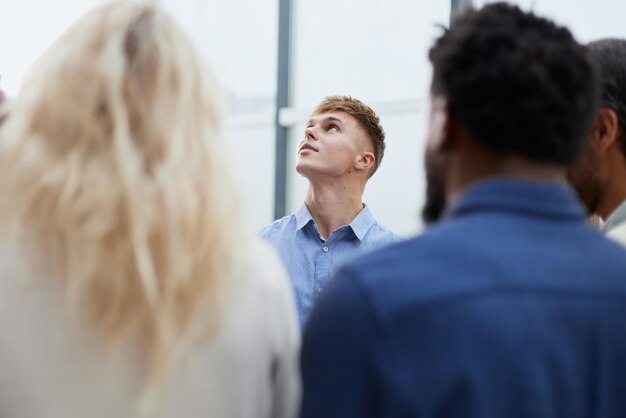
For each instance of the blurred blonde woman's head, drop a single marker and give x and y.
(114, 177)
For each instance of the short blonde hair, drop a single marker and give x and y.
(113, 173)
(365, 117)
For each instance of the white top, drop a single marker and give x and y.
(250, 369)
(618, 234)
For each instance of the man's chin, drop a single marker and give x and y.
(303, 169)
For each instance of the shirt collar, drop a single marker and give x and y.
(359, 225)
(617, 217)
(362, 222)
(303, 217)
(543, 199)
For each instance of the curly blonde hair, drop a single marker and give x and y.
(113, 176)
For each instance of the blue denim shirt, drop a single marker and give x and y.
(310, 260)
(510, 307)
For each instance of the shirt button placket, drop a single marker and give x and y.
(325, 249)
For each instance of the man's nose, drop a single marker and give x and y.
(310, 133)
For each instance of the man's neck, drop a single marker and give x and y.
(333, 205)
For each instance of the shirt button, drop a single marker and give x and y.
(325, 249)
(320, 290)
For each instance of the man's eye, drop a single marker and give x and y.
(333, 128)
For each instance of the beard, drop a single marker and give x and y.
(435, 204)
(584, 179)
(587, 191)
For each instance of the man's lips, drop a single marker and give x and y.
(306, 147)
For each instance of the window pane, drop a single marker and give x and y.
(25, 34)
(371, 49)
(238, 39)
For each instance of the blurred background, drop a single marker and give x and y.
(276, 59)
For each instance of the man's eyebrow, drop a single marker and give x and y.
(333, 118)
(326, 119)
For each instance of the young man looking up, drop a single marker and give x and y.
(342, 148)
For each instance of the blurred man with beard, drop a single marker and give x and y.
(511, 306)
(599, 176)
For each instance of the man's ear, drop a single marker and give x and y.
(606, 129)
(365, 161)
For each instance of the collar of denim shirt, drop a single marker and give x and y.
(359, 225)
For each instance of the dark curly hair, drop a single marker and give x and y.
(609, 55)
(517, 82)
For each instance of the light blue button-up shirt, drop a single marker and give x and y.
(311, 260)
